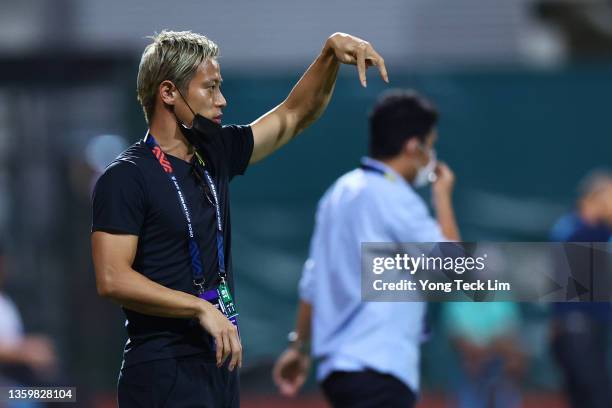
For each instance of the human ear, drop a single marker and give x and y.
(412, 146)
(167, 92)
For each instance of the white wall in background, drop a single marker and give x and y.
(276, 33)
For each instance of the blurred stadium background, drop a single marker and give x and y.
(523, 87)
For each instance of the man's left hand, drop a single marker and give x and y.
(352, 50)
(290, 371)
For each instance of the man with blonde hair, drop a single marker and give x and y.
(161, 225)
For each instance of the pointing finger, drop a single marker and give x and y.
(380, 63)
(361, 65)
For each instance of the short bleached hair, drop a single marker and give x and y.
(173, 56)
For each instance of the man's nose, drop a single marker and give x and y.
(221, 102)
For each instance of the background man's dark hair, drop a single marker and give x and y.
(398, 116)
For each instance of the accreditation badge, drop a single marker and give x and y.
(221, 298)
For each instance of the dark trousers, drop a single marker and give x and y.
(583, 357)
(185, 382)
(367, 389)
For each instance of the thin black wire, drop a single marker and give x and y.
(203, 185)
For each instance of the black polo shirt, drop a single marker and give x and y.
(134, 196)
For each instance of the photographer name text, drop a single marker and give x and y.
(426, 285)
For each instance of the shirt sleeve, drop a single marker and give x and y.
(306, 288)
(306, 285)
(238, 144)
(119, 200)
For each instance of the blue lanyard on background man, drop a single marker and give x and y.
(374, 168)
(194, 249)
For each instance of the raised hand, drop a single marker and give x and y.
(352, 50)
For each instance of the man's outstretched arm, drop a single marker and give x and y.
(310, 96)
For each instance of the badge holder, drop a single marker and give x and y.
(221, 298)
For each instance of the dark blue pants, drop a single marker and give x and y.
(367, 389)
(583, 357)
(192, 381)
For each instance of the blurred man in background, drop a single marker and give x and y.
(161, 229)
(580, 330)
(368, 353)
(486, 337)
(25, 360)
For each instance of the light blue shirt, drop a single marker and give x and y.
(348, 334)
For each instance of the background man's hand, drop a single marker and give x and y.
(227, 341)
(39, 353)
(352, 50)
(445, 181)
(290, 371)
